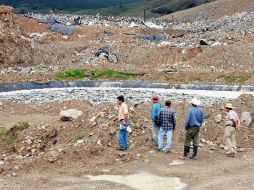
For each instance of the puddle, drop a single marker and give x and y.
(143, 181)
(176, 163)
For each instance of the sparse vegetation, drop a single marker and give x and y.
(235, 78)
(2, 131)
(22, 125)
(79, 136)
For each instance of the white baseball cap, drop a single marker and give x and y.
(195, 102)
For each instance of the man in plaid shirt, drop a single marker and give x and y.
(168, 124)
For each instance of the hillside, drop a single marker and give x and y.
(64, 5)
(213, 10)
(154, 8)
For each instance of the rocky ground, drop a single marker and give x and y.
(217, 51)
(38, 149)
(36, 141)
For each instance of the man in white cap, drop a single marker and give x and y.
(194, 120)
(232, 123)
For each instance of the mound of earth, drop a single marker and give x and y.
(37, 139)
(16, 49)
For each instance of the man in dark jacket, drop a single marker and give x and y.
(168, 124)
(194, 120)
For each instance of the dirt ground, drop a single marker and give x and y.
(204, 174)
(59, 163)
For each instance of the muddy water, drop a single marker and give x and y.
(143, 181)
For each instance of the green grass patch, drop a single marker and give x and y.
(235, 78)
(109, 73)
(94, 74)
(72, 74)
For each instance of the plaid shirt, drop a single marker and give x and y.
(167, 118)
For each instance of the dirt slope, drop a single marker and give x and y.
(213, 10)
(16, 48)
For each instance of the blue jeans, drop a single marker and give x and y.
(123, 136)
(162, 133)
(156, 130)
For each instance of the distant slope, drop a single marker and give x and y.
(64, 5)
(213, 10)
(155, 8)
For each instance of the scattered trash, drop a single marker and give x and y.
(152, 25)
(153, 38)
(63, 29)
(203, 43)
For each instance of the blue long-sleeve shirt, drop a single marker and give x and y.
(155, 111)
(194, 117)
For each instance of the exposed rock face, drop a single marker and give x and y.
(15, 48)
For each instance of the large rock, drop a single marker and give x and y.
(246, 119)
(71, 114)
(218, 118)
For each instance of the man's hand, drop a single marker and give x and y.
(115, 120)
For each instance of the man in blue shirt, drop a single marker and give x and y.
(155, 115)
(194, 120)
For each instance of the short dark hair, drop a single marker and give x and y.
(120, 98)
(168, 103)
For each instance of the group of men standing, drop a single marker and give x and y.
(164, 124)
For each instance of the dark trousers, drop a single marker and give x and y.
(192, 135)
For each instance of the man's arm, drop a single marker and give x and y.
(202, 117)
(154, 112)
(174, 121)
(125, 115)
(187, 121)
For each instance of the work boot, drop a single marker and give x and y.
(195, 152)
(186, 151)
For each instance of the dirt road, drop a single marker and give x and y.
(204, 174)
